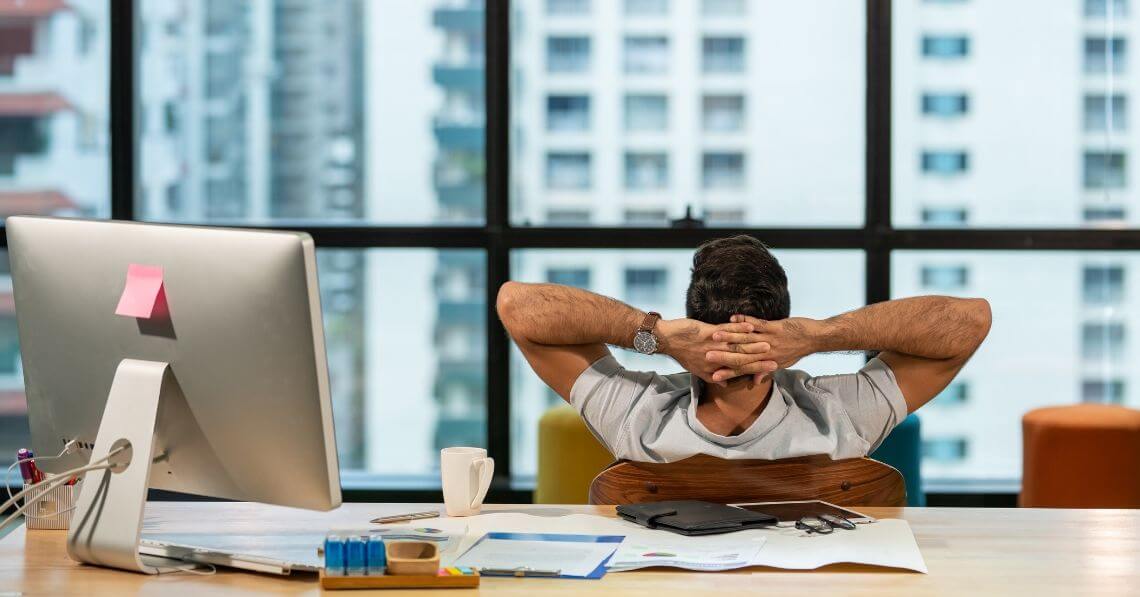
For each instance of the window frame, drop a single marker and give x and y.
(877, 238)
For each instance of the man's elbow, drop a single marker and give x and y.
(981, 318)
(508, 302)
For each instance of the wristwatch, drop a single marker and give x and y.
(644, 341)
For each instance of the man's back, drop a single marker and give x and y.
(648, 417)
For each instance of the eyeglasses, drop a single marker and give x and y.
(823, 524)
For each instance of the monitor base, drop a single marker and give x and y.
(107, 521)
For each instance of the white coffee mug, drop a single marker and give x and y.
(466, 476)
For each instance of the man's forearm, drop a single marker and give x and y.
(933, 327)
(550, 314)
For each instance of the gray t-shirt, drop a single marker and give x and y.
(648, 417)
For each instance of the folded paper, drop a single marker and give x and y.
(143, 294)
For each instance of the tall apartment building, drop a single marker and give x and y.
(53, 120)
(458, 129)
(1025, 127)
(249, 112)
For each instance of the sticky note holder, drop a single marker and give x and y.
(144, 294)
(361, 561)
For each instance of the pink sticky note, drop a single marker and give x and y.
(142, 292)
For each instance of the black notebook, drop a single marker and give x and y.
(691, 517)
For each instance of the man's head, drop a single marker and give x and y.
(736, 275)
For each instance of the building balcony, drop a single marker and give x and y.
(459, 75)
(459, 16)
(34, 203)
(452, 134)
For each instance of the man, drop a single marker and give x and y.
(739, 399)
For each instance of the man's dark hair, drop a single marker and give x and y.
(736, 275)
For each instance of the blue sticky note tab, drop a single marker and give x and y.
(356, 563)
(334, 555)
(377, 556)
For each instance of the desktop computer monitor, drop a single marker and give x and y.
(225, 383)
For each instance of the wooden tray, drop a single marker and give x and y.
(391, 581)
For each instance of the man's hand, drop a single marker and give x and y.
(691, 342)
(782, 342)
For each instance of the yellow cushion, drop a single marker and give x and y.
(568, 458)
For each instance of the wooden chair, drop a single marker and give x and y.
(850, 482)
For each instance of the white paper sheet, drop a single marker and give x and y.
(571, 558)
(712, 553)
(888, 542)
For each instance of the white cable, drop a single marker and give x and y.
(33, 459)
(52, 483)
(189, 569)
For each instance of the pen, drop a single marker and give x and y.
(520, 572)
(406, 517)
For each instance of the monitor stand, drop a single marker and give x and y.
(107, 521)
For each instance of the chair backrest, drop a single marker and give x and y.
(850, 482)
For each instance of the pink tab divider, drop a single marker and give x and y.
(142, 291)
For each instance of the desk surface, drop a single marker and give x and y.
(981, 551)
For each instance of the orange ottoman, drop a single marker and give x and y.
(1081, 456)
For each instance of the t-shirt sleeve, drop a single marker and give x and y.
(871, 397)
(605, 394)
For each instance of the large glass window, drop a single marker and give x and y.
(406, 333)
(969, 92)
(782, 146)
(821, 283)
(270, 101)
(54, 113)
(1062, 329)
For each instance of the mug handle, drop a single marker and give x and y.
(486, 468)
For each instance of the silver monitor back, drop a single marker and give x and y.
(244, 340)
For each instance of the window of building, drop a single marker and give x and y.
(945, 47)
(945, 450)
(646, 217)
(567, 7)
(1103, 391)
(646, 8)
(945, 163)
(1103, 215)
(722, 170)
(568, 171)
(944, 216)
(1104, 170)
(1100, 113)
(567, 112)
(646, 54)
(646, 170)
(646, 112)
(724, 216)
(958, 392)
(1105, 54)
(569, 276)
(722, 113)
(945, 278)
(567, 217)
(567, 54)
(945, 105)
(1098, 9)
(645, 286)
(1102, 341)
(722, 54)
(723, 8)
(1103, 284)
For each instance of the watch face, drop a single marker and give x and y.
(645, 342)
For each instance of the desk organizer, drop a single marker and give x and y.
(51, 509)
(363, 561)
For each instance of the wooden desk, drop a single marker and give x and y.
(978, 551)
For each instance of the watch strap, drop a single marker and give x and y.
(651, 319)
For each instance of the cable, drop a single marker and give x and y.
(54, 482)
(189, 569)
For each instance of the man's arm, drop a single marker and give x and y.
(562, 330)
(925, 340)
